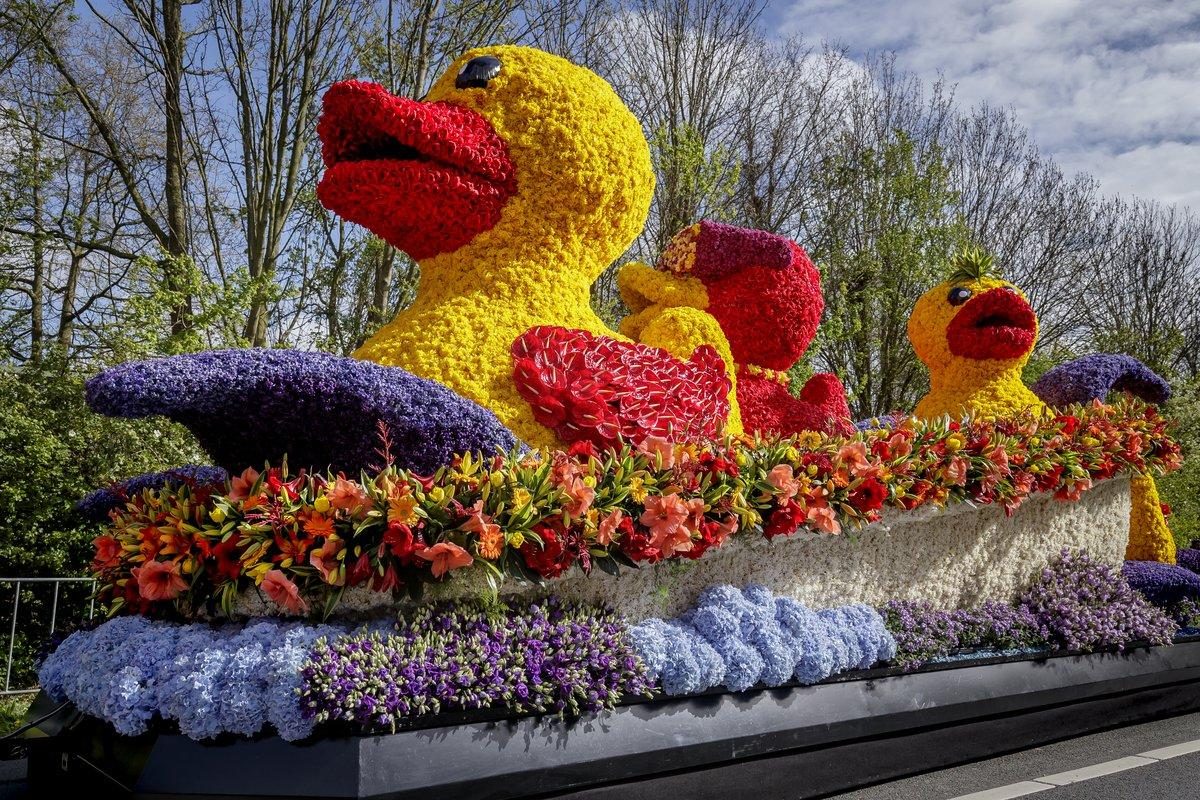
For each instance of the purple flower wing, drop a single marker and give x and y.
(320, 410)
(1094, 377)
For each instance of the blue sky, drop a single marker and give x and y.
(1109, 87)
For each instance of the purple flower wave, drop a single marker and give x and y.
(95, 506)
(250, 406)
(1094, 377)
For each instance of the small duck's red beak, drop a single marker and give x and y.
(425, 177)
(995, 324)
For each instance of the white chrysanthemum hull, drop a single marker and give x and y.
(954, 557)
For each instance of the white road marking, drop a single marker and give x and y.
(1095, 770)
(1174, 750)
(1023, 788)
(1008, 792)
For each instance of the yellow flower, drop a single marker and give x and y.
(637, 489)
(521, 498)
(516, 539)
(968, 378)
(954, 443)
(217, 514)
(321, 504)
(809, 440)
(403, 509)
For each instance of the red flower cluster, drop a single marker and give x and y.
(596, 389)
(765, 293)
(425, 177)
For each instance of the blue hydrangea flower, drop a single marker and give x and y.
(752, 637)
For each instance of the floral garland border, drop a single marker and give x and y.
(188, 547)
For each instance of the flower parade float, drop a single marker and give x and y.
(504, 551)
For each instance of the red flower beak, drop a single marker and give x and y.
(425, 177)
(997, 324)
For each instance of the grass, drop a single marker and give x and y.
(12, 710)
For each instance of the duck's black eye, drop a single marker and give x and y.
(959, 295)
(476, 73)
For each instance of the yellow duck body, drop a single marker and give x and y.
(584, 181)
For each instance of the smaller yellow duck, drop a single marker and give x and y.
(975, 333)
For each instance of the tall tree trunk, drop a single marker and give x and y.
(177, 233)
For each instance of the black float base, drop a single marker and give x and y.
(793, 743)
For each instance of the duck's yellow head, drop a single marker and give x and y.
(512, 150)
(973, 321)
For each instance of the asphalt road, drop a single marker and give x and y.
(1001, 778)
(1010, 776)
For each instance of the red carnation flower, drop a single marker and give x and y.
(551, 558)
(869, 495)
(785, 520)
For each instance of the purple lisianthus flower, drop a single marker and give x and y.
(247, 407)
(95, 506)
(1094, 377)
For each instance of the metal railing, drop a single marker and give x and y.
(57, 583)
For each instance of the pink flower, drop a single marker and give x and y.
(784, 480)
(108, 553)
(581, 496)
(325, 560)
(283, 592)
(347, 495)
(823, 519)
(446, 556)
(853, 456)
(956, 471)
(608, 526)
(159, 580)
(658, 447)
(665, 516)
(899, 446)
(242, 484)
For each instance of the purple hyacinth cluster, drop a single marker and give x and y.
(1162, 584)
(250, 406)
(546, 657)
(1174, 589)
(1081, 604)
(924, 633)
(209, 680)
(95, 506)
(1188, 558)
(1094, 377)
(740, 638)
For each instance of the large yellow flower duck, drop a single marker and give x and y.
(975, 333)
(513, 184)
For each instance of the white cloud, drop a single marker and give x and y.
(1108, 87)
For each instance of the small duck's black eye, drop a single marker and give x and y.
(959, 295)
(476, 73)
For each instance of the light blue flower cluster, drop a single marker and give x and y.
(740, 638)
(211, 680)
